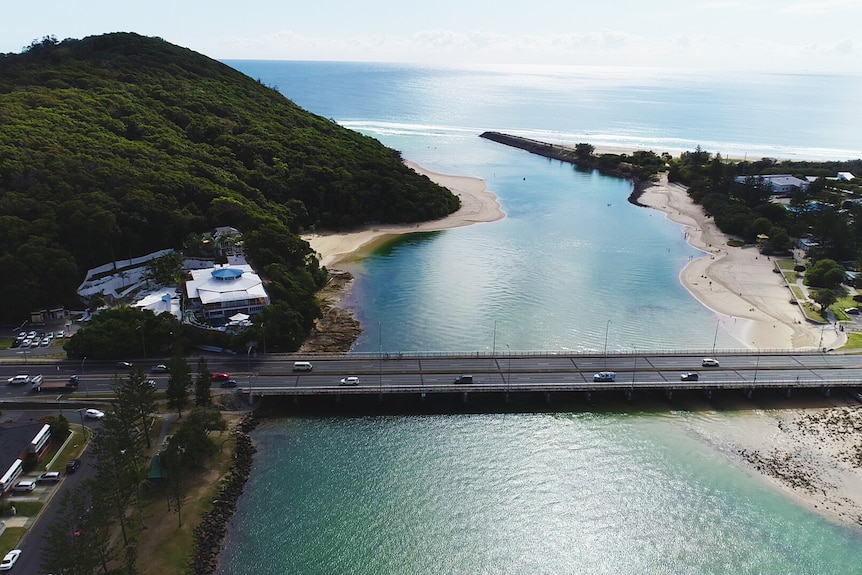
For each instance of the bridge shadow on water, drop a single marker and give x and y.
(611, 402)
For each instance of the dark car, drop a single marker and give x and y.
(231, 383)
(73, 465)
(690, 376)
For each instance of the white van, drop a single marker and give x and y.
(302, 366)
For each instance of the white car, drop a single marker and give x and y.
(350, 380)
(94, 414)
(10, 559)
(709, 362)
(605, 376)
(25, 486)
(19, 379)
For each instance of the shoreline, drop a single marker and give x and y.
(799, 450)
(737, 283)
(478, 205)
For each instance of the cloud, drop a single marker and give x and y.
(822, 7)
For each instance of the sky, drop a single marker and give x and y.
(805, 36)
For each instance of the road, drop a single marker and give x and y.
(516, 371)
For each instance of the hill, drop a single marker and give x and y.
(113, 146)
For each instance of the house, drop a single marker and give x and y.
(18, 443)
(223, 291)
(846, 176)
(779, 184)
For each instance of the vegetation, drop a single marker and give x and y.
(118, 145)
(101, 524)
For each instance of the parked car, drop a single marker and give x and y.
(220, 376)
(50, 476)
(124, 365)
(852, 310)
(605, 376)
(231, 383)
(350, 380)
(689, 376)
(73, 465)
(709, 362)
(10, 559)
(94, 414)
(25, 486)
(160, 368)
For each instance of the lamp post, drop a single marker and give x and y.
(248, 367)
(715, 337)
(83, 377)
(494, 344)
(635, 366)
(380, 357)
(756, 366)
(605, 353)
(509, 369)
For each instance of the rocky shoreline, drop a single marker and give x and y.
(209, 535)
(337, 328)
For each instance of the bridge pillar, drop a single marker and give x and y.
(295, 399)
(668, 393)
(628, 395)
(707, 393)
(464, 398)
(506, 397)
(589, 397)
(748, 392)
(423, 395)
(547, 397)
(826, 391)
(787, 392)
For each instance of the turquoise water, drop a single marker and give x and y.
(573, 266)
(521, 494)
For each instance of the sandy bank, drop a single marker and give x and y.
(478, 205)
(738, 283)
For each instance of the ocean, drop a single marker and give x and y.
(572, 267)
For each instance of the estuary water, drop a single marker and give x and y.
(573, 266)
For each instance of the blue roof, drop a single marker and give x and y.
(227, 273)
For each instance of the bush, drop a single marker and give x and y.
(799, 268)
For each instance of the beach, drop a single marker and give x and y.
(478, 205)
(809, 453)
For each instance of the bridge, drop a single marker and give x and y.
(551, 374)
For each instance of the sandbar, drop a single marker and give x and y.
(478, 205)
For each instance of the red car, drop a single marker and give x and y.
(221, 376)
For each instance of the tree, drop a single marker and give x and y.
(203, 383)
(179, 383)
(824, 298)
(584, 151)
(825, 274)
(78, 541)
(136, 397)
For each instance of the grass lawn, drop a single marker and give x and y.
(10, 538)
(854, 341)
(166, 545)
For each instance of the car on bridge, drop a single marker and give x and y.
(689, 376)
(709, 362)
(605, 376)
(349, 380)
(221, 377)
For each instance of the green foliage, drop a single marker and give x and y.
(179, 384)
(122, 333)
(118, 145)
(203, 383)
(824, 298)
(826, 274)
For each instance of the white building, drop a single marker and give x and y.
(779, 183)
(223, 291)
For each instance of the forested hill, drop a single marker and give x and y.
(116, 145)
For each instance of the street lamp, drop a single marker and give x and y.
(494, 345)
(756, 366)
(715, 337)
(509, 369)
(605, 353)
(379, 357)
(84, 378)
(248, 366)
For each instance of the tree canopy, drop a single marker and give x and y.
(118, 145)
